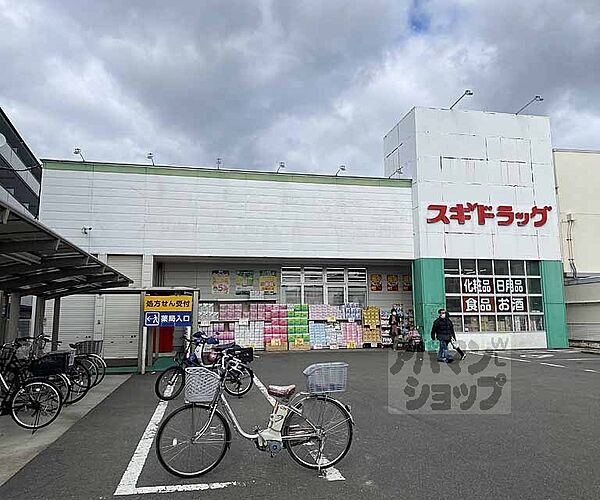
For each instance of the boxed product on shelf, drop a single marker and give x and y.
(275, 341)
(298, 342)
(230, 312)
(371, 335)
(317, 335)
(333, 331)
(352, 311)
(320, 312)
(372, 316)
(207, 312)
(352, 335)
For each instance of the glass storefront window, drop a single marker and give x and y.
(488, 323)
(501, 267)
(471, 324)
(517, 268)
(533, 268)
(452, 285)
(357, 295)
(485, 267)
(505, 323)
(534, 285)
(494, 295)
(468, 266)
(453, 304)
(457, 322)
(335, 295)
(537, 323)
(521, 323)
(291, 294)
(451, 266)
(313, 294)
(536, 304)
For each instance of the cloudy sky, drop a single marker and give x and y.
(312, 83)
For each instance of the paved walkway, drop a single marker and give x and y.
(18, 446)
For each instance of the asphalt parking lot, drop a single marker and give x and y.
(540, 441)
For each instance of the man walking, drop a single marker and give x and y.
(443, 330)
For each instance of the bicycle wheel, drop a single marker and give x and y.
(188, 444)
(170, 383)
(62, 383)
(35, 404)
(321, 435)
(91, 367)
(239, 381)
(100, 364)
(80, 381)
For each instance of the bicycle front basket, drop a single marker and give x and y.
(201, 384)
(50, 364)
(88, 347)
(326, 377)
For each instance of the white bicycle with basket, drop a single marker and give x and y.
(315, 428)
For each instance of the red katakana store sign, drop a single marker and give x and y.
(504, 214)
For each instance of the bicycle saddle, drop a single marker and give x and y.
(281, 391)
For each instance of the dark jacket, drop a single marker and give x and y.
(443, 329)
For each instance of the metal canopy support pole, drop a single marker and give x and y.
(12, 327)
(55, 323)
(195, 307)
(2, 318)
(142, 338)
(40, 309)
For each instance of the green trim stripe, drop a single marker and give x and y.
(555, 311)
(429, 294)
(245, 175)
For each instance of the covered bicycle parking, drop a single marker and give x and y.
(36, 261)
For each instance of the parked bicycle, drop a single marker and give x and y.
(32, 401)
(75, 382)
(315, 428)
(206, 352)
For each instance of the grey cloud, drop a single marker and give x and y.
(313, 83)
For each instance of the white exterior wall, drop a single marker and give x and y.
(578, 179)
(198, 216)
(486, 158)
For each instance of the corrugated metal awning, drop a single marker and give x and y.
(34, 260)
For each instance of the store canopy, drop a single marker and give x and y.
(34, 260)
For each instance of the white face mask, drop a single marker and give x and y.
(443, 315)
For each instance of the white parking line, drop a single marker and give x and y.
(589, 370)
(128, 483)
(577, 359)
(330, 474)
(552, 364)
(501, 357)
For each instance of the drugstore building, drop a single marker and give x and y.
(464, 217)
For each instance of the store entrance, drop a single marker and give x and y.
(165, 339)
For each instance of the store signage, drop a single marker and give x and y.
(492, 285)
(510, 285)
(471, 304)
(393, 283)
(168, 303)
(220, 282)
(170, 318)
(477, 285)
(504, 214)
(478, 304)
(511, 304)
